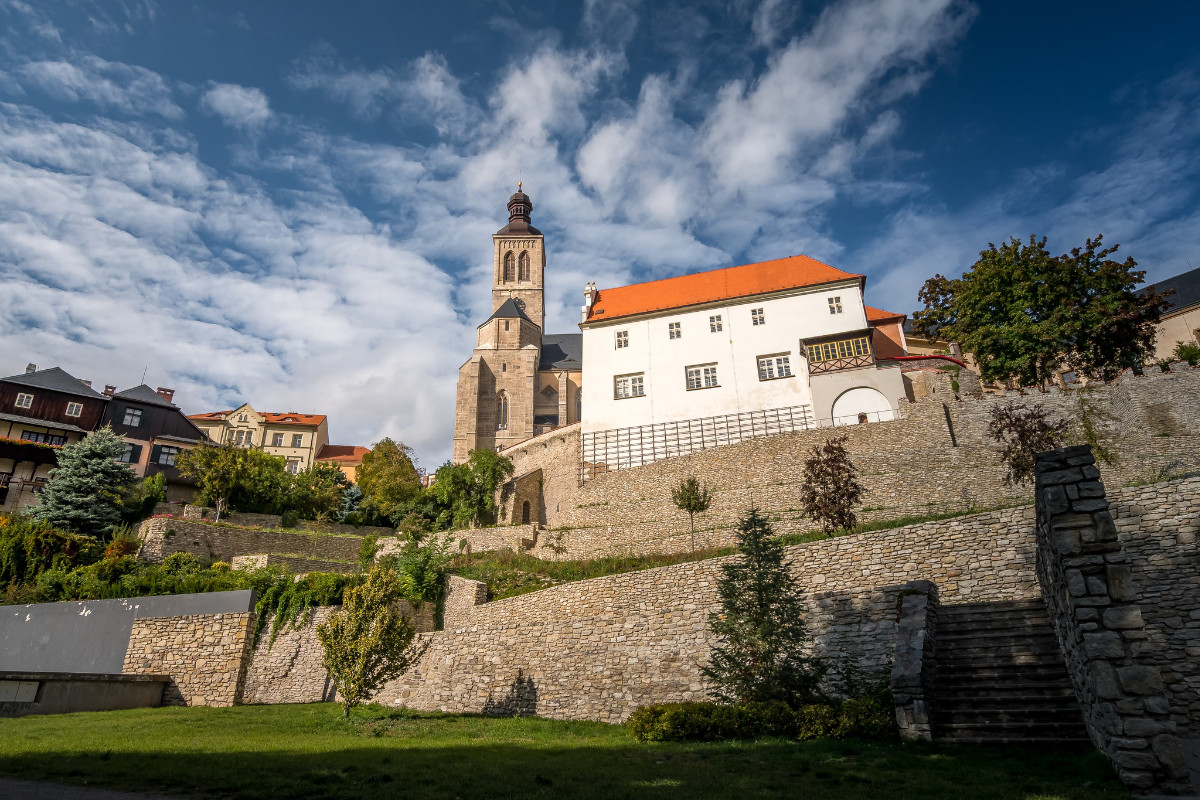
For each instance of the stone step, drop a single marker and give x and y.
(1000, 739)
(955, 630)
(983, 621)
(1031, 667)
(1026, 692)
(1011, 717)
(1002, 606)
(998, 656)
(1034, 731)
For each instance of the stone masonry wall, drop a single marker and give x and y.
(162, 536)
(1093, 600)
(937, 458)
(206, 656)
(248, 520)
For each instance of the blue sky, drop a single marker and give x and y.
(291, 203)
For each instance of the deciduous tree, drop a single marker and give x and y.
(237, 478)
(1023, 432)
(831, 488)
(387, 478)
(468, 490)
(692, 497)
(86, 489)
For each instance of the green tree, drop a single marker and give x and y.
(1186, 351)
(693, 498)
(761, 641)
(236, 478)
(139, 502)
(86, 489)
(1023, 432)
(367, 641)
(316, 492)
(387, 478)
(1025, 314)
(468, 490)
(831, 488)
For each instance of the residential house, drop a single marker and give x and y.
(1180, 322)
(296, 437)
(348, 458)
(155, 432)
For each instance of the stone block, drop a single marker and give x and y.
(1123, 617)
(1066, 542)
(1140, 679)
(1089, 504)
(1148, 727)
(1104, 680)
(1076, 584)
(1120, 582)
(1170, 753)
(1103, 645)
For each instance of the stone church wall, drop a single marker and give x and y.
(937, 458)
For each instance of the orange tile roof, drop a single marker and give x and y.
(879, 315)
(342, 452)
(275, 418)
(715, 285)
(209, 415)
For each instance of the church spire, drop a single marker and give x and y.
(519, 207)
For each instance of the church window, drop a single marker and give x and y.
(673, 330)
(502, 412)
(622, 339)
(578, 405)
(714, 324)
(550, 393)
(756, 317)
(771, 367)
(523, 273)
(505, 324)
(629, 386)
(702, 376)
(835, 305)
(509, 267)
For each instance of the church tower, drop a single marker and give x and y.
(519, 262)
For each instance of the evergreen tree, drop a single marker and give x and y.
(759, 656)
(86, 489)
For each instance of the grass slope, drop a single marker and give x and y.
(309, 752)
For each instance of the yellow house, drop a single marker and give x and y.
(1180, 322)
(291, 435)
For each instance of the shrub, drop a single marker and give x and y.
(289, 519)
(1022, 433)
(867, 718)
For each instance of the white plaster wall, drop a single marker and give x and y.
(789, 318)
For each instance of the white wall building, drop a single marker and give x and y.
(781, 345)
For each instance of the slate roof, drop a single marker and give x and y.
(1187, 290)
(55, 379)
(730, 283)
(42, 423)
(562, 351)
(144, 394)
(508, 310)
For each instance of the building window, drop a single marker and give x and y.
(550, 393)
(673, 330)
(855, 348)
(505, 324)
(702, 376)
(133, 417)
(757, 317)
(43, 438)
(622, 339)
(835, 305)
(297, 440)
(126, 456)
(629, 386)
(24, 400)
(523, 267)
(277, 440)
(74, 409)
(293, 466)
(166, 455)
(502, 412)
(772, 367)
(241, 418)
(714, 324)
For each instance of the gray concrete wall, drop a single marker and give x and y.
(66, 693)
(92, 636)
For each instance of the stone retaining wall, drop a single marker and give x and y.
(162, 536)
(248, 520)
(206, 656)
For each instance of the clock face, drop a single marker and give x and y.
(520, 303)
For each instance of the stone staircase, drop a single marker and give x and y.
(1002, 677)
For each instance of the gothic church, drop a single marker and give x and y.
(519, 381)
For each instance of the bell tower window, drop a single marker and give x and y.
(502, 412)
(523, 271)
(509, 267)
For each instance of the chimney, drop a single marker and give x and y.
(166, 394)
(109, 390)
(30, 368)
(589, 296)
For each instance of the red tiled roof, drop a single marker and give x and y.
(342, 452)
(275, 418)
(718, 284)
(879, 315)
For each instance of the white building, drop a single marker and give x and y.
(684, 363)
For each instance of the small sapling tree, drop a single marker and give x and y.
(367, 641)
(759, 656)
(86, 490)
(1022, 432)
(692, 497)
(831, 488)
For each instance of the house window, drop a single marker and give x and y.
(757, 317)
(673, 330)
(24, 400)
(43, 438)
(629, 386)
(702, 376)
(714, 324)
(523, 269)
(166, 455)
(293, 466)
(772, 367)
(133, 417)
(241, 418)
(74, 409)
(835, 305)
(277, 440)
(844, 348)
(622, 339)
(502, 412)
(297, 440)
(126, 456)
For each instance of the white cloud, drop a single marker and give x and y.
(110, 85)
(238, 106)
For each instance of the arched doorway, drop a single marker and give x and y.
(861, 404)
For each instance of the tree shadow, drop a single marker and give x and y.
(520, 701)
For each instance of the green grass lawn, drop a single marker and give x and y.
(311, 752)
